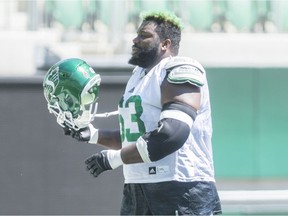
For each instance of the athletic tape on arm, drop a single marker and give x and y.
(142, 148)
(178, 115)
(93, 135)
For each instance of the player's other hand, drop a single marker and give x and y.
(87, 134)
(98, 163)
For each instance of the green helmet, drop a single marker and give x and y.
(71, 89)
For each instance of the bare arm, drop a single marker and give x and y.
(184, 93)
(109, 139)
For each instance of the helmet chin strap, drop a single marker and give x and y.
(88, 116)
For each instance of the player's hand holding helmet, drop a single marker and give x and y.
(71, 89)
(87, 134)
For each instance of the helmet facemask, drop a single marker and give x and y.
(65, 118)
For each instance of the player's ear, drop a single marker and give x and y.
(166, 44)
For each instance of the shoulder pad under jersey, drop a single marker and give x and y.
(184, 69)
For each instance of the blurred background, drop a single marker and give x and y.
(243, 44)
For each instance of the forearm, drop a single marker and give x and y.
(109, 139)
(130, 155)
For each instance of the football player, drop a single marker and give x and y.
(164, 142)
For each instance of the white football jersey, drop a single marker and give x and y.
(139, 112)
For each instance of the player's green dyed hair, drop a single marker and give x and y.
(164, 16)
(169, 26)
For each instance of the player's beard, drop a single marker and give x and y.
(144, 57)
